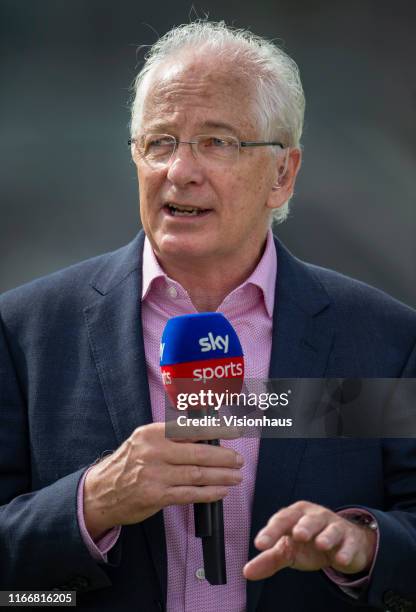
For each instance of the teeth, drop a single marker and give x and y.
(183, 211)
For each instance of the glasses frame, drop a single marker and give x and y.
(241, 144)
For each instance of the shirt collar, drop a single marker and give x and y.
(263, 276)
(151, 268)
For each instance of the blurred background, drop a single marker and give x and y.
(68, 187)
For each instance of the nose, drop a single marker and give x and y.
(184, 168)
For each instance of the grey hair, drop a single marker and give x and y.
(280, 101)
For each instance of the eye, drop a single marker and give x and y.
(158, 141)
(215, 142)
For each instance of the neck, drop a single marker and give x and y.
(208, 283)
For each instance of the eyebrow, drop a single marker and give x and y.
(221, 125)
(165, 128)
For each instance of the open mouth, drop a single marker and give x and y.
(185, 211)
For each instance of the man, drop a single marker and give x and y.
(95, 497)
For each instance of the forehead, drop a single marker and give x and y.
(197, 91)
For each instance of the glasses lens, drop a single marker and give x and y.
(220, 148)
(157, 148)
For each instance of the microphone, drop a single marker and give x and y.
(200, 352)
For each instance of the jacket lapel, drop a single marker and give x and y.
(115, 332)
(302, 339)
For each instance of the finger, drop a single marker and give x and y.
(202, 454)
(270, 561)
(279, 524)
(183, 495)
(345, 554)
(310, 525)
(196, 475)
(331, 537)
(350, 557)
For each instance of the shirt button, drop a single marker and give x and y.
(200, 573)
(172, 291)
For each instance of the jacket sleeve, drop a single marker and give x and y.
(40, 541)
(393, 576)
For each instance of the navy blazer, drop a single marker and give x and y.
(73, 385)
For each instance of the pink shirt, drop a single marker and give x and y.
(249, 308)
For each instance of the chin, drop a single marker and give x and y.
(185, 253)
(174, 247)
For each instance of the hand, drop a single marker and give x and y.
(149, 471)
(309, 537)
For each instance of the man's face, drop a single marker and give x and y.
(185, 98)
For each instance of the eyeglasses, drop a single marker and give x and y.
(158, 149)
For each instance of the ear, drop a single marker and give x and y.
(287, 167)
